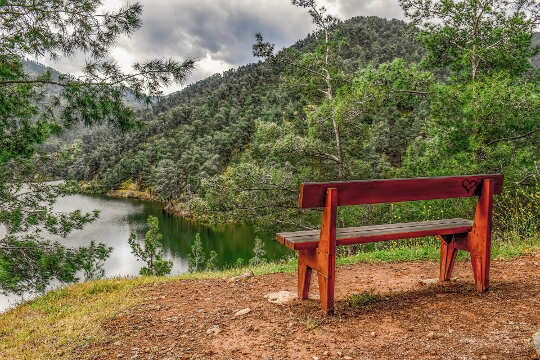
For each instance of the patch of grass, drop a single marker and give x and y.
(53, 325)
(103, 287)
(312, 323)
(362, 299)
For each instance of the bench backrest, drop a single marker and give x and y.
(396, 190)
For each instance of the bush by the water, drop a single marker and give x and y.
(150, 251)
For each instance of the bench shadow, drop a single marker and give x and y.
(459, 293)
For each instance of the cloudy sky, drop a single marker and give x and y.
(219, 33)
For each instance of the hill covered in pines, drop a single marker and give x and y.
(209, 123)
(235, 146)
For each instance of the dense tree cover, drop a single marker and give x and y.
(453, 94)
(470, 106)
(210, 124)
(32, 108)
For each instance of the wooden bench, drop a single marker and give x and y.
(317, 249)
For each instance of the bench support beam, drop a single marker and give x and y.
(477, 242)
(479, 239)
(323, 258)
(304, 274)
(448, 257)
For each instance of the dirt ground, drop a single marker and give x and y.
(413, 320)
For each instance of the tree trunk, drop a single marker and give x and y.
(330, 96)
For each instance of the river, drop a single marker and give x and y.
(120, 217)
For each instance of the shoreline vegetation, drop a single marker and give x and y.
(130, 190)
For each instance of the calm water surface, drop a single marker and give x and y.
(120, 217)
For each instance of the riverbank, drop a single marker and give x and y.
(130, 190)
(157, 316)
(169, 208)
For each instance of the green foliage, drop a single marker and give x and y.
(519, 213)
(48, 261)
(210, 125)
(475, 38)
(197, 258)
(312, 323)
(258, 253)
(494, 119)
(211, 261)
(168, 180)
(248, 191)
(150, 252)
(240, 262)
(362, 299)
(35, 106)
(389, 104)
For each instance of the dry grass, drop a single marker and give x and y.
(53, 325)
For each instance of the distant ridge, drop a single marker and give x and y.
(35, 69)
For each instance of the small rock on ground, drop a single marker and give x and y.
(429, 281)
(245, 275)
(280, 297)
(242, 312)
(214, 330)
(434, 281)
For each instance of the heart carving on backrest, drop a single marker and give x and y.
(469, 185)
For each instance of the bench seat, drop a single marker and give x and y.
(364, 234)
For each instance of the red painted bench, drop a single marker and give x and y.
(317, 249)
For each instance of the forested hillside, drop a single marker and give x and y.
(235, 146)
(193, 134)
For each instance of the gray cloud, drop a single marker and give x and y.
(222, 28)
(220, 32)
(383, 8)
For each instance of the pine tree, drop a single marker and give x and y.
(259, 253)
(197, 257)
(53, 28)
(151, 251)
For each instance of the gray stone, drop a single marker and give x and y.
(214, 330)
(280, 297)
(242, 312)
(434, 281)
(429, 281)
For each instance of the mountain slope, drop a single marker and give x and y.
(201, 128)
(198, 132)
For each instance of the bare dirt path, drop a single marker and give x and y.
(412, 321)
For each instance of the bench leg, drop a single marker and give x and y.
(480, 267)
(326, 291)
(304, 276)
(479, 241)
(326, 252)
(448, 258)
